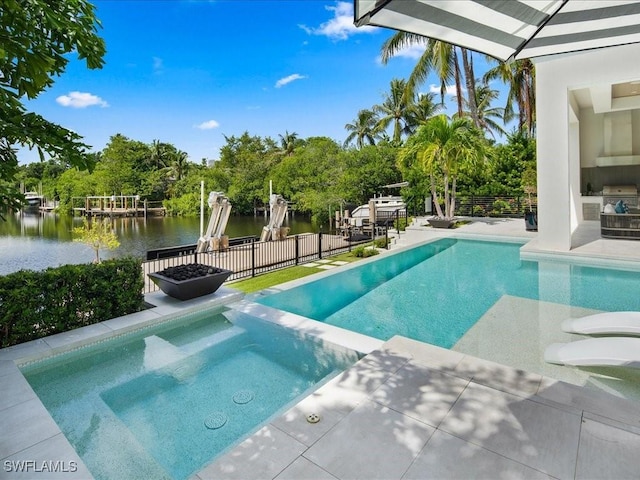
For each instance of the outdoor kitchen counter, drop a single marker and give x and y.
(620, 225)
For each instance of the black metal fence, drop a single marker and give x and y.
(507, 206)
(248, 257)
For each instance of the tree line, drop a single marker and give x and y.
(317, 174)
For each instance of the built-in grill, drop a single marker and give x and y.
(614, 193)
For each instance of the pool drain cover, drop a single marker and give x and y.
(243, 396)
(215, 420)
(313, 418)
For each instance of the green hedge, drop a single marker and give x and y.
(37, 304)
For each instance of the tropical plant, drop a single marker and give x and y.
(441, 146)
(395, 110)
(421, 110)
(520, 76)
(362, 129)
(37, 37)
(488, 115)
(288, 142)
(439, 57)
(96, 234)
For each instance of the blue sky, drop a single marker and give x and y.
(191, 72)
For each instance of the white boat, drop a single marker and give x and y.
(386, 208)
(34, 199)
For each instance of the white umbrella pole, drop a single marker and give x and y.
(201, 208)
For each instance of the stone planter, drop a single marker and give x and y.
(441, 222)
(191, 287)
(531, 221)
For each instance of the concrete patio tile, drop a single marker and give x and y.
(310, 265)
(263, 455)
(590, 400)
(78, 335)
(449, 457)
(50, 459)
(430, 355)
(331, 403)
(322, 260)
(420, 392)
(339, 262)
(539, 436)
(25, 425)
(327, 267)
(8, 367)
(607, 452)
(304, 469)
(15, 390)
(371, 442)
(500, 377)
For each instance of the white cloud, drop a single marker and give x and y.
(208, 125)
(80, 100)
(341, 26)
(449, 89)
(291, 78)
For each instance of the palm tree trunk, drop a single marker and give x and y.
(452, 205)
(446, 195)
(434, 196)
(471, 86)
(458, 84)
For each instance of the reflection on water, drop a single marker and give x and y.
(34, 240)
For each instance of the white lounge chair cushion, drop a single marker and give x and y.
(607, 323)
(605, 351)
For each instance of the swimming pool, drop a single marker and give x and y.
(437, 291)
(163, 401)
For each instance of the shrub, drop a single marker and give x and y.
(500, 207)
(479, 211)
(381, 242)
(37, 304)
(363, 252)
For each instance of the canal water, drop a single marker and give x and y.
(35, 241)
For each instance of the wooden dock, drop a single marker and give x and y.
(119, 206)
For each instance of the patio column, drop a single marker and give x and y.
(554, 202)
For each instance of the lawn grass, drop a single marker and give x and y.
(267, 280)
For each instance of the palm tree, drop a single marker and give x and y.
(520, 77)
(158, 155)
(362, 129)
(422, 110)
(179, 165)
(394, 110)
(487, 114)
(442, 146)
(288, 142)
(439, 57)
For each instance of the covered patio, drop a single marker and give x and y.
(587, 91)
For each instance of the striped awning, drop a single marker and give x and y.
(510, 29)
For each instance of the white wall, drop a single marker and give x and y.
(558, 150)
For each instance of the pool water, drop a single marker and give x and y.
(163, 402)
(436, 292)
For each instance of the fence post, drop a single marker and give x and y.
(320, 245)
(253, 257)
(297, 249)
(473, 205)
(386, 237)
